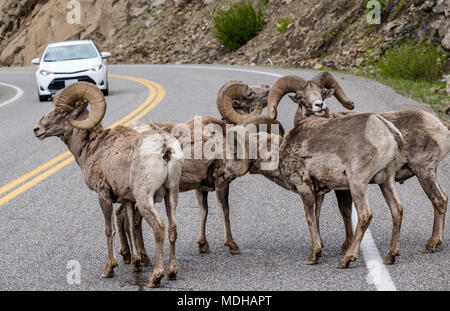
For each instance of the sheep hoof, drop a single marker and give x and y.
(313, 258)
(107, 274)
(343, 264)
(234, 248)
(154, 285)
(172, 273)
(235, 251)
(431, 246)
(126, 257)
(203, 247)
(312, 262)
(155, 279)
(145, 261)
(135, 266)
(390, 258)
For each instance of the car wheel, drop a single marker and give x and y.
(43, 98)
(106, 91)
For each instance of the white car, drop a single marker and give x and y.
(64, 63)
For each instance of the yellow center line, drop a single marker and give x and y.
(156, 94)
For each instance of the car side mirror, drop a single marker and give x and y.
(35, 61)
(105, 54)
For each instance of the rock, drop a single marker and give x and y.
(156, 3)
(427, 5)
(318, 66)
(359, 61)
(446, 41)
(391, 25)
(441, 7)
(149, 22)
(448, 87)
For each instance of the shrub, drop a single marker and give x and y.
(238, 24)
(283, 24)
(412, 61)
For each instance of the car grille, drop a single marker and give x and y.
(58, 84)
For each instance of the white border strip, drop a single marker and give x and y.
(19, 93)
(378, 274)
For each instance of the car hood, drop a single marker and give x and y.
(70, 66)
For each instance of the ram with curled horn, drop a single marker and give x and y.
(427, 143)
(207, 175)
(313, 159)
(121, 165)
(314, 91)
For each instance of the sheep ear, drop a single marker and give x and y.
(329, 93)
(293, 98)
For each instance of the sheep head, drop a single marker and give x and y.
(307, 93)
(265, 154)
(253, 144)
(237, 101)
(69, 110)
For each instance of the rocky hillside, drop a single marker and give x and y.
(332, 33)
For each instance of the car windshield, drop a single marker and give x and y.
(69, 52)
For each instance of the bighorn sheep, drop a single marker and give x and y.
(205, 175)
(121, 165)
(313, 159)
(427, 142)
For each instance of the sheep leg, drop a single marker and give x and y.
(344, 199)
(222, 190)
(123, 240)
(390, 195)
(145, 259)
(359, 194)
(135, 255)
(202, 198)
(307, 194)
(147, 209)
(429, 183)
(171, 201)
(319, 202)
(110, 232)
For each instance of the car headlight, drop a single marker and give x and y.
(96, 68)
(45, 72)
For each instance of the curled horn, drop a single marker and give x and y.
(79, 91)
(230, 91)
(284, 85)
(326, 80)
(262, 119)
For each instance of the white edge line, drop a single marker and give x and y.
(19, 93)
(378, 274)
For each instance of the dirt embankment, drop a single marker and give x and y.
(332, 33)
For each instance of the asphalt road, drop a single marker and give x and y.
(59, 219)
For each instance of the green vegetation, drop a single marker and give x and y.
(412, 61)
(283, 24)
(265, 2)
(431, 93)
(238, 24)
